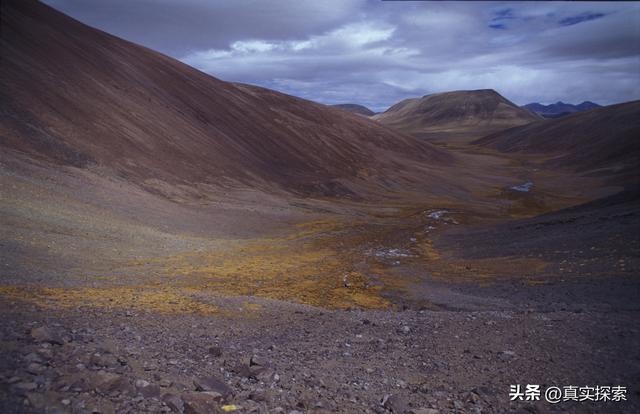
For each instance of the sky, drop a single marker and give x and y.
(376, 53)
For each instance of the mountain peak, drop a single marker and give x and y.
(460, 112)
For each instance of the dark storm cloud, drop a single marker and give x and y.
(376, 53)
(584, 17)
(179, 26)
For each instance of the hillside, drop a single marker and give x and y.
(73, 95)
(355, 108)
(602, 140)
(455, 115)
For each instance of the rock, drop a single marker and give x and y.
(150, 391)
(106, 381)
(215, 351)
(404, 329)
(174, 402)
(200, 403)
(36, 369)
(101, 360)
(396, 404)
(33, 357)
(45, 353)
(147, 389)
(256, 360)
(425, 411)
(140, 383)
(249, 371)
(22, 387)
(44, 334)
(213, 384)
(472, 397)
(265, 375)
(36, 400)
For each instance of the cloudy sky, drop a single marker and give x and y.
(378, 52)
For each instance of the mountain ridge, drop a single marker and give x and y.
(355, 108)
(559, 109)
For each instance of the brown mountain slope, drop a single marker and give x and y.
(455, 115)
(77, 96)
(603, 140)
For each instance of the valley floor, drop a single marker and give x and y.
(317, 306)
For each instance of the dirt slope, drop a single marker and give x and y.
(458, 113)
(77, 96)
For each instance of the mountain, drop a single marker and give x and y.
(602, 141)
(355, 108)
(75, 96)
(458, 115)
(559, 108)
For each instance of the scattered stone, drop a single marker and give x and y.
(101, 360)
(215, 351)
(44, 334)
(174, 402)
(22, 387)
(256, 360)
(213, 384)
(425, 411)
(200, 403)
(36, 400)
(106, 381)
(33, 357)
(140, 383)
(36, 369)
(396, 404)
(150, 391)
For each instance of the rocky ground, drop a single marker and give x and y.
(281, 357)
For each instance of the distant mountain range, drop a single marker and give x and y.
(355, 108)
(560, 108)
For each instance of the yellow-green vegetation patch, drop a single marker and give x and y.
(307, 266)
(141, 297)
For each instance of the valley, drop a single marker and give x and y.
(171, 242)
